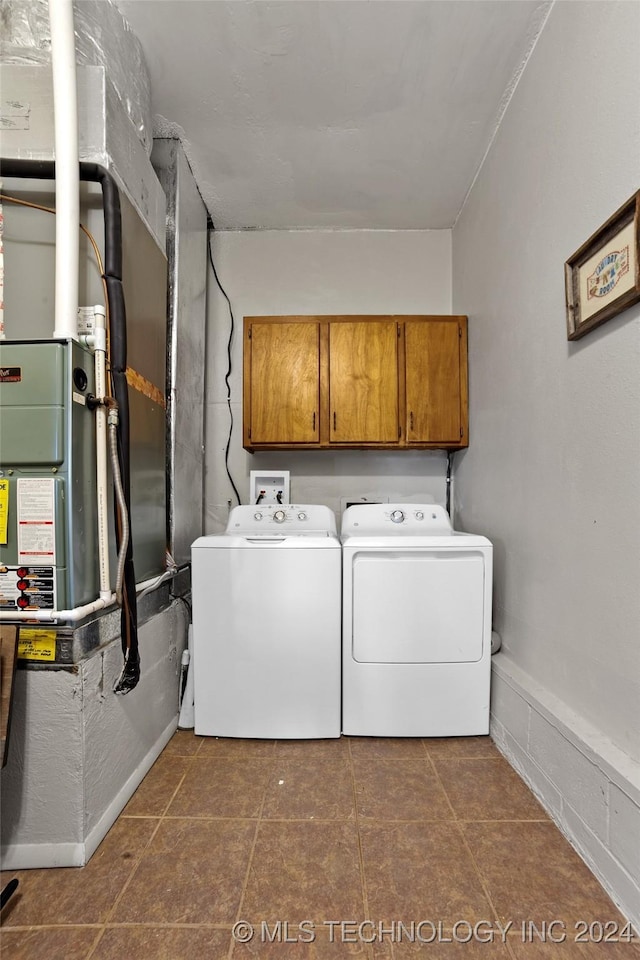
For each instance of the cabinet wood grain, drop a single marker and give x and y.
(363, 382)
(284, 374)
(376, 381)
(435, 399)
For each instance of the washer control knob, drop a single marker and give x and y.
(419, 515)
(302, 515)
(397, 516)
(279, 516)
(257, 516)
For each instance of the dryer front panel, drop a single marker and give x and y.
(417, 607)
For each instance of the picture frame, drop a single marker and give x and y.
(602, 278)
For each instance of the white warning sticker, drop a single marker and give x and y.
(36, 521)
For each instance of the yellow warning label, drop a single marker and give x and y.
(37, 644)
(4, 510)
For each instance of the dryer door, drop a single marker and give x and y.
(412, 606)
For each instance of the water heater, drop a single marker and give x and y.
(48, 525)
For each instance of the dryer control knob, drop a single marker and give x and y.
(257, 516)
(302, 516)
(397, 516)
(279, 516)
(419, 515)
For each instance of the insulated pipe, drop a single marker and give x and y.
(102, 484)
(120, 500)
(65, 108)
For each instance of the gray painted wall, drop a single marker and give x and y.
(309, 272)
(553, 472)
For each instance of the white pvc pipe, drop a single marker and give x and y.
(78, 613)
(102, 459)
(63, 61)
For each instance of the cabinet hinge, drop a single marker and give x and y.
(249, 333)
(460, 331)
(398, 329)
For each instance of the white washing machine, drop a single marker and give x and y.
(416, 623)
(267, 624)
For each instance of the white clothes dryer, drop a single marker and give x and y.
(416, 652)
(267, 624)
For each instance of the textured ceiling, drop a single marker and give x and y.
(334, 113)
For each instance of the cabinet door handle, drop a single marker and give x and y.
(411, 419)
(314, 421)
(334, 420)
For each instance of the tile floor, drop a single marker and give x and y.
(361, 848)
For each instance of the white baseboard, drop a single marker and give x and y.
(589, 787)
(30, 856)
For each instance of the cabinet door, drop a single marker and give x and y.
(285, 383)
(434, 381)
(363, 382)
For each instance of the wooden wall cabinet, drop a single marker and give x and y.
(375, 382)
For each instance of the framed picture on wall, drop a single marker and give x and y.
(602, 278)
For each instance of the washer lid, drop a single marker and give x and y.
(231, 541)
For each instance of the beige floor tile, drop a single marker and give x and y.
(304, 871)
(192, 872)
(234, 748)
(487, 789)
(152, 797)
(47, 943)
(333, 749)
(525, 947)
(163, 943)
(222, 787)
(461, 747)
(222, 829)
(388, 790)
(79, 895)
(290, 942)
(420, 872)
(184, 743)
(393, 748)
(533, 874)
(310, 789)
(441, 949)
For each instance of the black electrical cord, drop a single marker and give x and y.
(210, 228)
(448, 482)
(93, 172)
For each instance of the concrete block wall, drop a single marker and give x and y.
(589, 787)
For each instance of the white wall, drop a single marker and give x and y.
(310, 272)
(553, 472)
